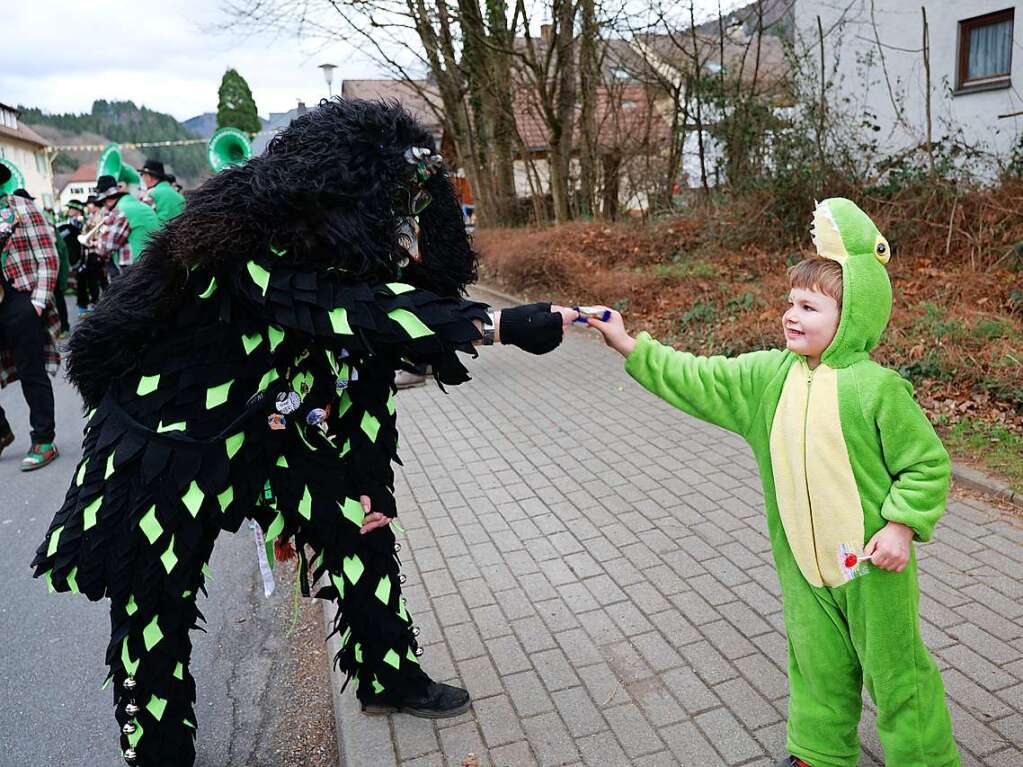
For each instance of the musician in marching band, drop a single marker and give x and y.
(165, 199)
(29, 324)
(127, 226)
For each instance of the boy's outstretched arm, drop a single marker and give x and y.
(724, 391)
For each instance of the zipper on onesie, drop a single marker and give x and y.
(806, 477)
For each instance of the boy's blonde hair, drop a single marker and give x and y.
(821, 275)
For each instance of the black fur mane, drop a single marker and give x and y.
(328, 190)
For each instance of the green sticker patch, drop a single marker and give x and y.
(130, 607)
(353, 568)
(152, 634)
(339, 584)
(51, 549)
(193, 498)
(410, 323)
(179, 672)
(276, 335)
(225, 498)
(399, 287)
(89, 513)
(178, 426)
(234, 444)
(305, 506)
(339, 321)
(370, 425)
(169, 558)
(149, 526)
(80, 476)
(72, 584)
(110, 467)
(156, 706)
(130, 666)
(268, 378)
(383, 592)
(217, 395)
(249, 343)
(353, 512)
(259, 275)
(209, 288)
(147, 385)
(392, 659)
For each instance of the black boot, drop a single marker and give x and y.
(439, 701)
(6, 435)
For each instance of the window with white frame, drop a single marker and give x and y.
(985, 52)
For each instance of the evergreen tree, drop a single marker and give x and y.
(236, 108)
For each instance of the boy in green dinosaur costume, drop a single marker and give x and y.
(852, 470)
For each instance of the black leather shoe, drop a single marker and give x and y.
(440, 701)
(6, 438)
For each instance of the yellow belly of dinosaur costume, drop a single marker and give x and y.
(817, 495)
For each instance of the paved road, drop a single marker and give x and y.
(593, 565)
(52, 710)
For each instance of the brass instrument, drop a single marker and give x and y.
(88, 238)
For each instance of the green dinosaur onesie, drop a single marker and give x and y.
(842, 449)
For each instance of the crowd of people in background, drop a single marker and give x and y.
(41, 256)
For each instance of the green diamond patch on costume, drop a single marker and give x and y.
(249, 343)
(370, 425)
(339, 321)
(163, 428)
(225, 498)
(209, 288)
(305, 506)
(392, 659)
(135, 737)
(399, 287)
(410, 323)
(179, 671)
(217, 395)
(152, 634)
(357, 651)
(169, 558)
(72, 584)
(80, 476)
(89, 513)
(412, 656)
(130, 666)
(276, 335)
(339, 584)
(149, 526)
(234, 444)
(130, 607)
(383, 592)
(390, 403)
(110, 467)
(377, 687)
(353, 568)
(353, 511)
(193, 498)
(268, 378)
(259, 275)
(51, 549)
(156, 706)
(147, 385)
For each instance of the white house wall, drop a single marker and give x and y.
(33, 164)
(899, 27)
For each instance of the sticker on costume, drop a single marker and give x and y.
(316, 416)
(342, 384)
(276, 421)
(853, 565)
(288, 402)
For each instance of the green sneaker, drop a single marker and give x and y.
(38, 456)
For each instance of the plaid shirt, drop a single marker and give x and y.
(113, 238)
(30, 265)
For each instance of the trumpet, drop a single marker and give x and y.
(88, 237)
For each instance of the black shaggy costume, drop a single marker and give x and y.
(244, 370)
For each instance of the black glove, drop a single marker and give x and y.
(532, 327)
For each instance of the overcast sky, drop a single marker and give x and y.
(60, 55)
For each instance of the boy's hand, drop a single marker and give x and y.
(889, 548)
(614, 332)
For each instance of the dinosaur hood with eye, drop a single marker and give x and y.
(844, 233)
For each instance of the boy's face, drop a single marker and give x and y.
(810, 323)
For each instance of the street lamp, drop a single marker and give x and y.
(328, 75)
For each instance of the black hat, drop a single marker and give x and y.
(106, 186)
(91, 200)
(23, 193)
(170, 178)
(154, 168)
(5, 174)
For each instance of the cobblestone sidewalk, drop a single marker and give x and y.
(593, 566)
